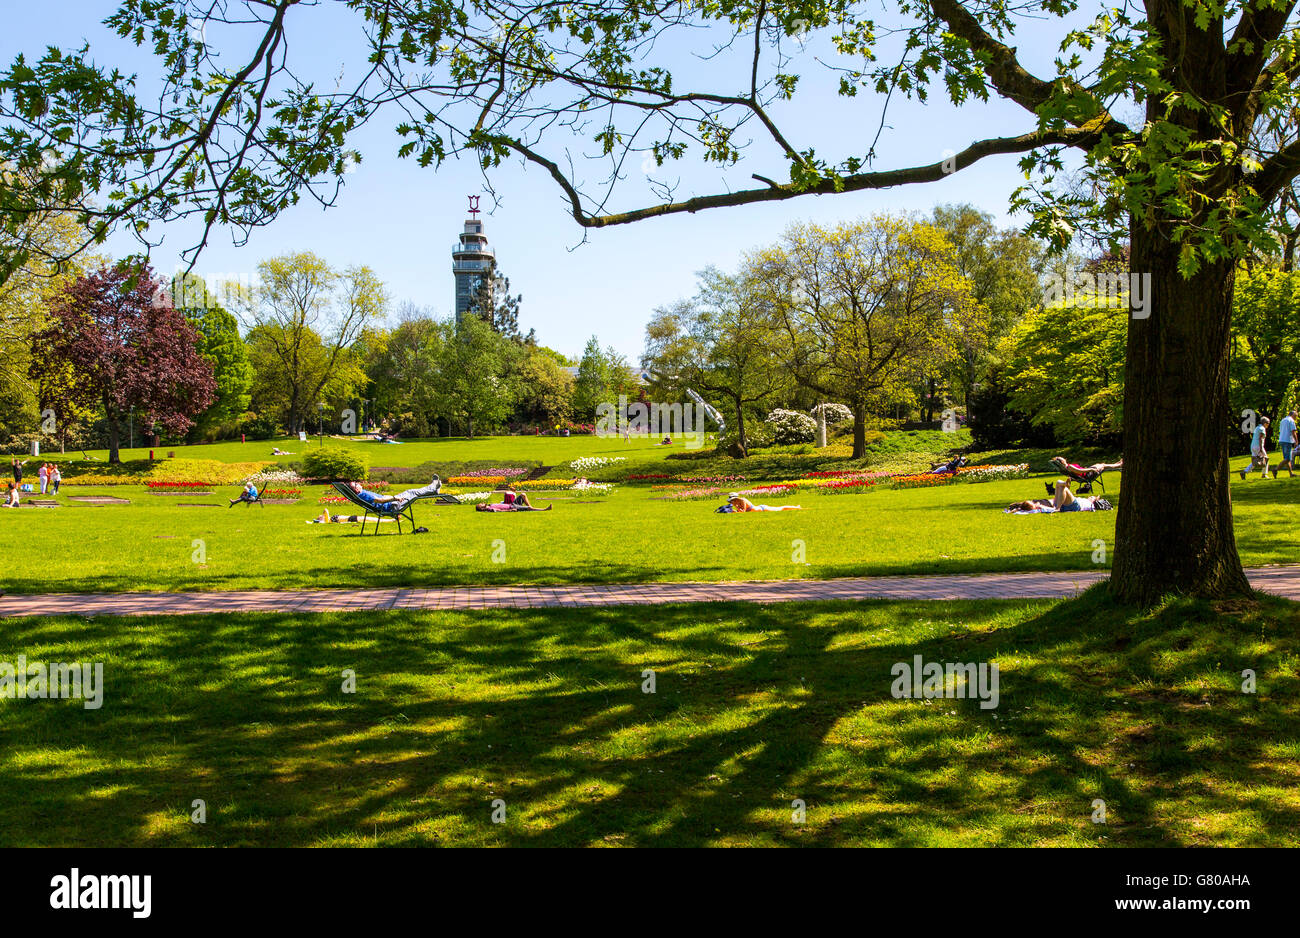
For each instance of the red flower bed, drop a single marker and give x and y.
(178, 485)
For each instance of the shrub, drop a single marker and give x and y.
(336, 463)
(835, 413)
(791, 426)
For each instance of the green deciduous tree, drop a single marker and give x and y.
(724, 344)
(302, 320)
(863, 306)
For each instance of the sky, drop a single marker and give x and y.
(402, 220)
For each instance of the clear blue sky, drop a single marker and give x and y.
(402, 220)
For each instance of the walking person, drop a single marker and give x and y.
(1288, 438)
(44, 475)
(55, 478)
(1258, 449)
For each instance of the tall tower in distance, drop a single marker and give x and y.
(472, 260)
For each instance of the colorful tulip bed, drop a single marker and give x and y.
(828, 483)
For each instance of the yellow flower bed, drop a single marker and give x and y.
(209, 471)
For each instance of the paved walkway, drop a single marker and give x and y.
(1280, 580)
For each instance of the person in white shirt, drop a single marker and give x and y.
(1289, 439)
(1258, 449)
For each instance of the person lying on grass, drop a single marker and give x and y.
(398, 501)
(511, 501)
(736, 503)
(327, 518)
(1062, 500)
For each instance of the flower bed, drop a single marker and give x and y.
(483, 474)
(156, 486)
(587, 463)
(208, 471)
(282, 493)
(477, 480)
(269, 477)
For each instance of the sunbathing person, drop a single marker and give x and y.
(400, 500)
(737, 503)
(1097, 467)
(1062, 500)
(940, 468)
(511, 501)
(327, 518)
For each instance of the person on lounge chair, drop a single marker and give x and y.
(398, 501)
(949, 467)
(511, 501)
(736, 503)
(1076, 470)
(249, 494)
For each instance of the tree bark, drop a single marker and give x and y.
(114, 433)
(1174, 530)
(859, 430)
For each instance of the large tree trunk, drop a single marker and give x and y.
(859, 430)
(114, 434)
(1174, 530)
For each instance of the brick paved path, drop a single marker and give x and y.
(1280, 580)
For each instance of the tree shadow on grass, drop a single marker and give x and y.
(754, 707)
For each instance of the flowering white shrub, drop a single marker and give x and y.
(835, 413)
(791, 426)
(585, 463)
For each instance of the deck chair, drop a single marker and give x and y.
(389, 512)
(255, 500)
(1082, 479)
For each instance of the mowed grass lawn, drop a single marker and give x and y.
(754, 707)
(156, 543)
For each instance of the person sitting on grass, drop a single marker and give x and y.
(398, 501)
(11, 496)
(736, 503)
(511, 501)
(249, 494)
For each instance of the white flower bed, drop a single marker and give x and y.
(275, 478)
(994, 473)
(592, 488)
(474, 497)
(586, 463)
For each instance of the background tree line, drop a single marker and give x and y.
(91, 349)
